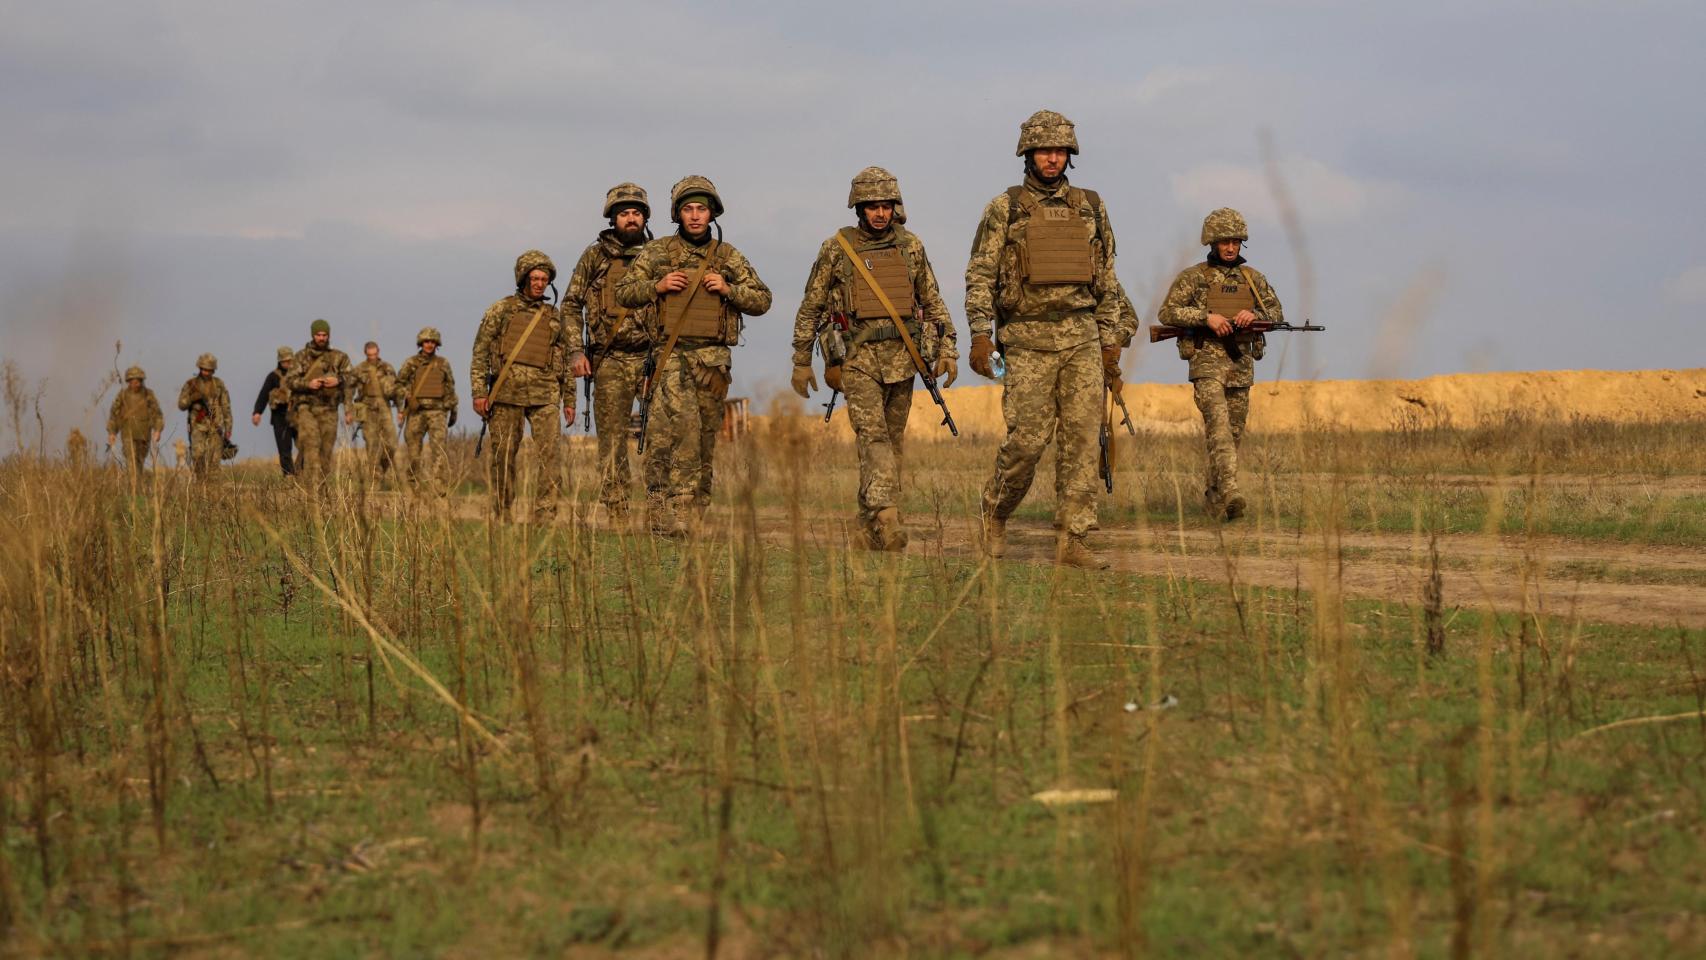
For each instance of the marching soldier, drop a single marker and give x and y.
(276, 396)
(617, 340)
(1217, 301)
(702, 287)
(136, 416)
(374, 381)
(209, 406)
(1041, 282)
(319, 382)
(425, 395)
(523, 355)
(874, 286)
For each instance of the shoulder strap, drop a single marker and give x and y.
(515, 351)
(1255, 291)
(882, 298)
(675, 331)
(621, 318)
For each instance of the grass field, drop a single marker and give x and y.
(1440, 695)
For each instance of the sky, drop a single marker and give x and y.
(1474, 185)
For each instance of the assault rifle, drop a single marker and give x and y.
(834, 351)
(648, 370)
(485, 418)
(1159, 332)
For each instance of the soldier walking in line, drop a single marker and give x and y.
(276, 397)
(208, 403)
(319, 381)
(425, 395)
(374, 380)
(135, 416)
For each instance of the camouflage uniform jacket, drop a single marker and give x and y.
(994, 287)
(747, 294)
(830, 289)
(1128, 320)
(374, 381)
(312, 363)
(209, 393)
(523, 386)
(584, 299)
(135, 414)
(413, 368)
(1187, 306)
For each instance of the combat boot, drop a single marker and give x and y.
(1235, 506)
(1074, 551)
(886, 531)
(681, 517)
(994, 536)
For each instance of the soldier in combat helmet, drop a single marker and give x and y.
(617, 339)
(425, 395)
(702, 287)
(1217, 300)
(319, 381)
(1041, 282)
(373, 381)
(523, 354)
(877, 372)
(208, 403)
(136, 416)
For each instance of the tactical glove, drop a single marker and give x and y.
(1111, 367)
(947, 371)
(832, 377)
(451, 420)
(982, 348)
(803, 381)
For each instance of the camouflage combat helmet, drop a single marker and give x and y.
(871, 185)
(688, 186)
(626, 194)
(1224, 224)
(1045, 128)
(208, 362)
(428, 333)
(134, 373)
(533, 260)
(285, 353)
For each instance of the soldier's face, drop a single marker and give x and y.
(133, 384)
(429, 347)
(284, 364)
(321, 339)
(695, 218)
(631, 220)
(1228, 249)
(204, 374)
(878, 215)
(1050, 161)
(372, 353)
(536, 281)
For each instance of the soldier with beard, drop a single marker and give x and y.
(1041, 278)
(374, 381)
(319, 382)
(425, 394)
(878, 371)
(701, 287)
(617, 340)
(276, 396)
(209, 405)
(136, 416)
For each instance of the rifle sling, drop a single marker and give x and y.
(681, 317)
(883, 298)
(503, 374)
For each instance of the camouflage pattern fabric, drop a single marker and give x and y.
(1224, 410)
(584, 298)
(877, 411)
(1043, 387)
(1187, 306)
(375, 381)
(638, 288)
(135, 414)
(524, 385)
(429, 475)
(1128, 323)
(412, 369)
(136, 452)
(313, 363)
(691, 390)
(830, 289)
(615, 386)
(209, 407)
(316, 438)
(506, 425)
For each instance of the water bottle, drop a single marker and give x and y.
(998, 365)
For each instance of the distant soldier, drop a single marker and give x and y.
(1218, 300)
(276, 397)
(135, 416)
(209, 406)
(319, 381)
(425, 395)
(1041, 281)
(702, 287)
(877, 372)
(520, 377)
(374, 380)
(617, 339)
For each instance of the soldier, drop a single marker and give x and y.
(319, 381)
(136, 415)
(425, 395)
(877, 372)
(1042, 267)
(520, 374)
(374, 382)
(209, 405)
(617, 339)
(276, 396)
(701, 286)
(1218, 300)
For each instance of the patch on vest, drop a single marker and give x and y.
(1228, 297)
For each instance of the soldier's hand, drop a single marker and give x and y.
(569, 414)
(1111, 363)
(947, 371)
(580, 366)
(154, 437)
(1244, 319)
(255, 419)
(672, 282)
(401, 416)
(803, 382)
(451, 420)
(832, 378)
(349, 418)
(1219, 325)
(315, 383)
(480, 406)
(715, 283)
(982, 348)
(111, 439)
(330, 382)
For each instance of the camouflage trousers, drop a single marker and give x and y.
(614, 387)
(206, 446)
(378, 431)
(135, 456)
(507, 422)
(878, 413)
(427, 471)
(691, 395)
(1224, 410)
(1043, 387)
(316, 437)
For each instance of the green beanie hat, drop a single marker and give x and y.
(700, 198)
(320, 326)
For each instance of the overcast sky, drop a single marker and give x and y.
(1479, 185)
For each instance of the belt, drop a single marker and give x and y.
(1054, 316)
(878, 331)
